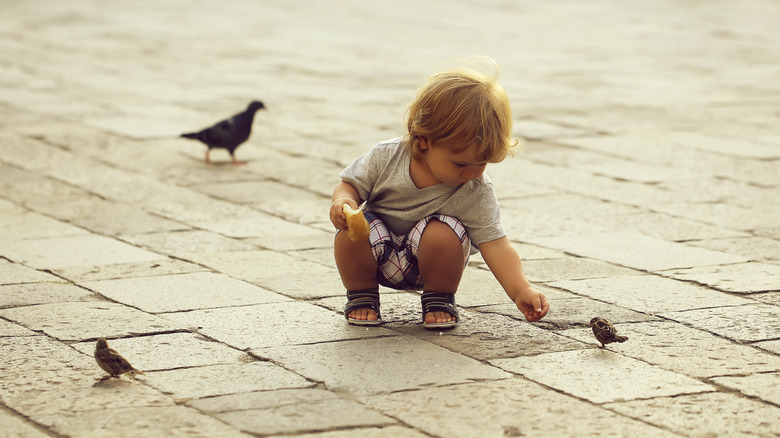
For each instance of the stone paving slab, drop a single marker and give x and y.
(280, 273)
(771, 231)
(522, 227)
(761, 173)
(44, 195)
(174, 293)
(334, 364)
(182, 243)
(668, 147)
(478, 287)
(529, 252)
(30, 386)
(759, 249)
(567, 206)
(62, 164)
(726, 191)
(14, 426)
(496, 409)
(667, 227)
(650, 293)
(571, 268)
(584, 183)
(266, 228)
(169, 351)
(112, 218)
(376, 432)
(771, 346)
(190, 169)
(539, 130)
(718, 214)
(748, 323)
(296, 411)
(570, 313)
(222, 379)
(637, 172)
(12, 329)
(14, 273)
(30, 225)
(768, 298)
(290, 203)
(764, 386)
(320, 176)
(708, 414)
(275, 324)
(7, 206)
(684, 350)
(485, 336)
(739, 278)
(71, 251)
(85, 394)
(78, 321)
(321, 256)
(601, 376)
(186, 206)
(40, 293)
(173, 421)
(257, 400)
(637, 251)
(23, 363)
(128, 270)
(291, 238)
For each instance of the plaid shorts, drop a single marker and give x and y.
(396, 255)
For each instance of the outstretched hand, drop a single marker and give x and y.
(533, 304)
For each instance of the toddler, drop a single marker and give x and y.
(430, 205)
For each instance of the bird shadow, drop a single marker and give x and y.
(112, 382)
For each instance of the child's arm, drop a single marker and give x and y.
(504, 262)
(344, 193)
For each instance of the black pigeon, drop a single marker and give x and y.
(605, 332)
(229, 133)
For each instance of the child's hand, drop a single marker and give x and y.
(337, 216)
(533, 304)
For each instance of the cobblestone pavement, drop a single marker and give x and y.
(647, 193)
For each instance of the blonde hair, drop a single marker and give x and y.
(462, 107)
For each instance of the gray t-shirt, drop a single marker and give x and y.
(381, 177)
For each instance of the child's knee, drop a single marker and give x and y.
(439, 235)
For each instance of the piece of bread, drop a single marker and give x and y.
(357, 225)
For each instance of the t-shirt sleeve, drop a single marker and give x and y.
(363, 173)
(482, 216)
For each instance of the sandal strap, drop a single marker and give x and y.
(439, 302)
(362, 298)
(363, 293)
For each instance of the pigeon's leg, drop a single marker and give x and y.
(208, 157)
(236, 161)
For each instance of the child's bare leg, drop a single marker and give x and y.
(441, 263)
(357, 268)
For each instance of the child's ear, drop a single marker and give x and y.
(423, 144)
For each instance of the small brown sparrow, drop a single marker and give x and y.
(112, 362)
(605, 332)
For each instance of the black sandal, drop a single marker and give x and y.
(439, 302)
(357, 299)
